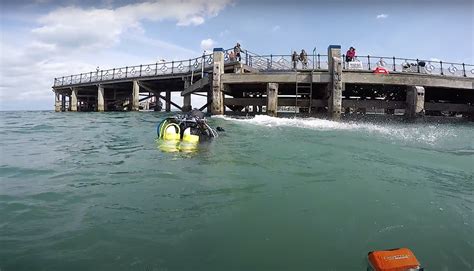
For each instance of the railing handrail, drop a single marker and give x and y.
(201, 61)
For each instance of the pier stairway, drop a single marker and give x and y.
(304, 93)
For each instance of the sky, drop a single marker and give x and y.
(44, 39)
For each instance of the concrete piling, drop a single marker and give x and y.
(217, 107)
(57, 102)
(73, 103)
(135, 96)
(415, 102)
(335, 85)
(100, 99)
(272, 99)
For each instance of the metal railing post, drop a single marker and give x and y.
(343, 61)
(172, 67)
(271, 61)
(140, 74)
(101, 73)
(441, 66)
(368, 61)
(189, 70)
(246, 57)
(90, 77)
(394, 65)
(464, 70)
(202, 64)
(319, 61)
(126, 71)
(417, 65)
(113, 74)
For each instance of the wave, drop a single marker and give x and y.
(427, 133)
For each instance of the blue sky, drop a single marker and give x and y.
(44, 39)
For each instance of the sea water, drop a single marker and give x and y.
(93, 191)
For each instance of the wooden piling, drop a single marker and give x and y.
(217, 107)
(272, 99)
(168, 101)
(187, 98)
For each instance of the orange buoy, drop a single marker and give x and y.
(398, 259)
(381, 70)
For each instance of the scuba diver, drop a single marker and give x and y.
(191, 127)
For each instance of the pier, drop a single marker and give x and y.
(269, 84)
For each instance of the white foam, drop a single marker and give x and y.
(429, 134)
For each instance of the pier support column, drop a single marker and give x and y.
(272, 99)
(100, 99)
(73, 103)
(335, 86)
(135, 96)
(167, 102)
(415, 102)
(63, 103)
(57, 102)
(187, 98)
(217, 107)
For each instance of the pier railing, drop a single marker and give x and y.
(268, 63)
(146, 70)
(409, 65)
(285, 62)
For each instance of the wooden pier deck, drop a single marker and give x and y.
(268, 84)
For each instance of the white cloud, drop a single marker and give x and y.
(276, 28)
(75, 27)
(382, 16)
(207, 44)
(71, 40)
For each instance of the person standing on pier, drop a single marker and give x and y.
(232, 56)
(237, 52)
(350, 55)
(294, 59)
(304, 58)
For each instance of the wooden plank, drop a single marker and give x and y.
(171, 102)
(449, 107)
(374, 104)
(281, 102)
(197, 86)
(424, 80)
(245, 101)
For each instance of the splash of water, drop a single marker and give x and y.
(422, 133)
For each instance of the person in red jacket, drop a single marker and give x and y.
(350, 55)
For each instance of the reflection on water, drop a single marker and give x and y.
(176, 146)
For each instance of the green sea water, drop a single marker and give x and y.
(92, 191)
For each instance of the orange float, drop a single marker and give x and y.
(381, 70)
(398, 259)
